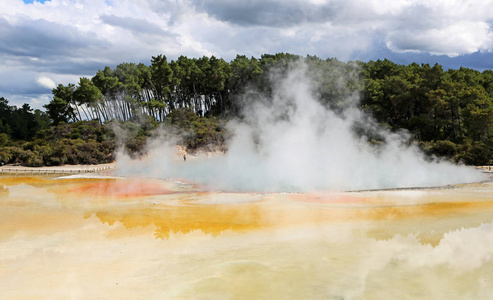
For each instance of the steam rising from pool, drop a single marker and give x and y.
(291, 142)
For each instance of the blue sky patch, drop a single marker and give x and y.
(31, 1)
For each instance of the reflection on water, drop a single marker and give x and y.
(128, 239)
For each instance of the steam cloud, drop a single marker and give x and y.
(292, 142)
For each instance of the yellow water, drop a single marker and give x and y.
(151, 239)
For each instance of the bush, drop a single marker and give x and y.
(6, 155)
(57, 155)
(136, 146)
(444, 148)
(4, 139)
(198, 131)
(34, 161)
(83, 142)
(478, 154)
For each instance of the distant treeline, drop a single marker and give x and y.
(448, 113)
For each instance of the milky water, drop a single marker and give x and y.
(85, 238)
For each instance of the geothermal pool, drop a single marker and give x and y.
(125, 238)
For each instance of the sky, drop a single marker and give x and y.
(46, 43)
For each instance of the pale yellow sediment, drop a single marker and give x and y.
(151, 239)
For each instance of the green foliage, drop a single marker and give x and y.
(34, 160)
(6, 155)
(61, 108)
(477, 153)
(199, 132)
(449, 112)
(74, 143)
(20, 123)
(443, 148)
(10, 154)
(4, 139)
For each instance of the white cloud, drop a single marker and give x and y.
(46, 82)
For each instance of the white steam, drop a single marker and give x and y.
(291, 142)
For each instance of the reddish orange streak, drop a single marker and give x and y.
(134, 188)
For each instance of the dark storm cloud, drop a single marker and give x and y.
(63, 65)
(267, 13)
(40, 38)
(30, 90)
(15, 83)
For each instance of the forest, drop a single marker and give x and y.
(448, 113)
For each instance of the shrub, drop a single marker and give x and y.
(57, 155)
(34, 161)
(477, 154)
(198, 131)
(4, 139)
(6, 155)
(444, 148)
